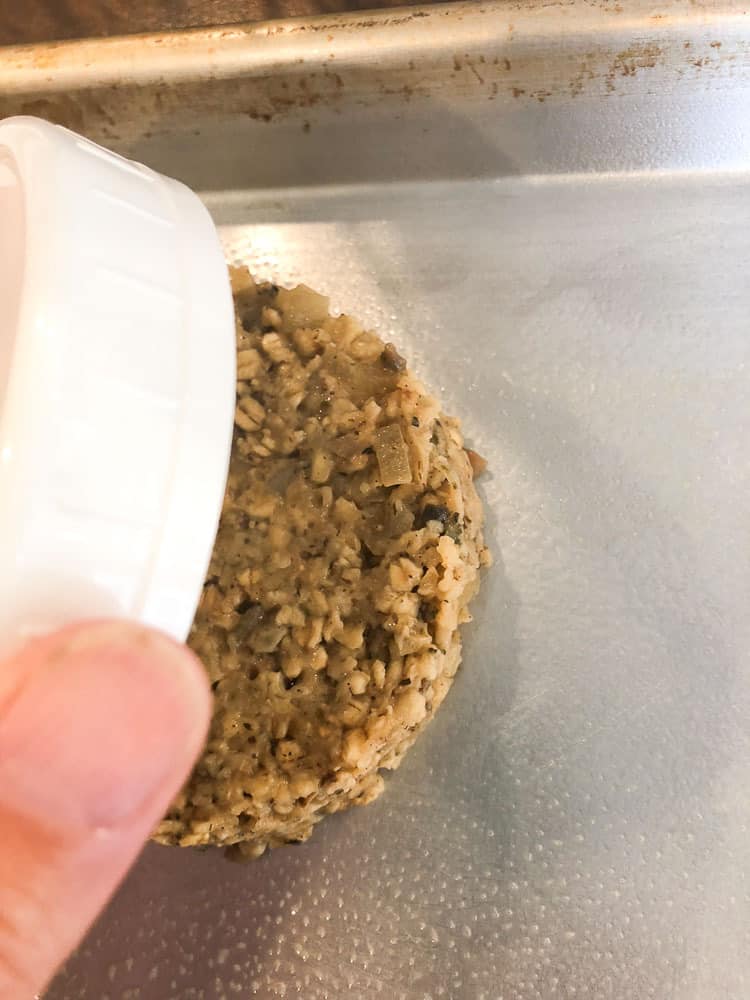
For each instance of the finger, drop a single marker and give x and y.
(99, 727)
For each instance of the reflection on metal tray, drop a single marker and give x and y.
(546, 205)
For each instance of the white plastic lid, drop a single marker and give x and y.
(117, 368)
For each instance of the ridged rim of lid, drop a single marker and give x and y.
(117, 384)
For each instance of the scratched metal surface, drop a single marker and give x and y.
(552, 219)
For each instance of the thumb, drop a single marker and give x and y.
(99, 726)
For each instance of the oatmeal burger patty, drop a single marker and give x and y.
(349, 547)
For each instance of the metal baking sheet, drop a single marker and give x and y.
(547, 206)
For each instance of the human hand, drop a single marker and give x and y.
(99, 727)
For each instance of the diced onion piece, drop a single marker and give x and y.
(392, 359)
(266, 638)
(478, 464)
(302, 306)
(392, 455)
(347, 446)
(242, 280)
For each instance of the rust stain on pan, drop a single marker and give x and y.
(361, 24)
(632, 59)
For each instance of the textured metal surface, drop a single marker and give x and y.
(569, 270)
(43, 22)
